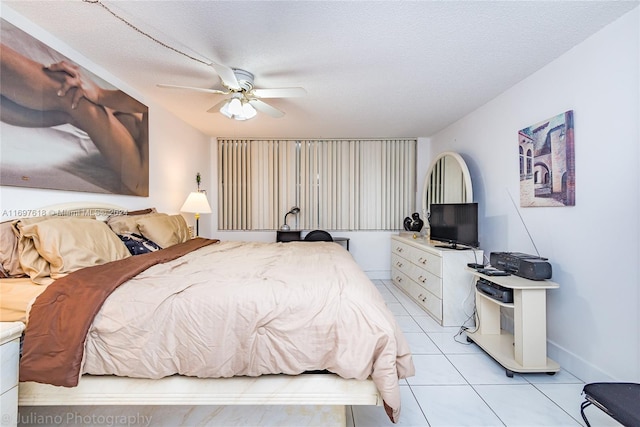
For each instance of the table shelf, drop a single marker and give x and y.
(526, 349)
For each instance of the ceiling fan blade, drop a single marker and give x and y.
(283, 92)
(263, 107)
(218, 106)
(227, 76)
(197, 89)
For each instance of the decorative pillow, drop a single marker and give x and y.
(122, 224)
(165, 230)
(69, 244)
(32, 263)
(9, 255)
(137, 244)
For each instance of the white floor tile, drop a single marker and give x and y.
(434, 369)
(480, 368)
(524, 405)
(407, 324)
(429, 324)
(396, 308)
(560, 377)
(413, 308)
(373, 416)
(388, 296)
(454, 406)
(452, 343)
(420, 343)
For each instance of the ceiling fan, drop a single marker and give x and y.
(245, 99)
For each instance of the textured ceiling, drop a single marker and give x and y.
(371, 69)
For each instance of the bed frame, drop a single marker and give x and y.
(326, 394)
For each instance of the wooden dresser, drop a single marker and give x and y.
(435, 278)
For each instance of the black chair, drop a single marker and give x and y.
(618, 400)
(318, 236)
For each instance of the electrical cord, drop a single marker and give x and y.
(105, 7)
(468, 329)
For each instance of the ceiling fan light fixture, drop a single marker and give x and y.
(248, 111)
(225, 110)
(238, 109)
(235, 107)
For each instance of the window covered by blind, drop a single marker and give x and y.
(338, 184)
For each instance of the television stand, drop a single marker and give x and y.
(526, 349)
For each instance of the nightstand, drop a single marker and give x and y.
(9, 355)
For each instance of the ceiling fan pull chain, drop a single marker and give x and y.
(98, 2)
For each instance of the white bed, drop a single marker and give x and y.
(328, 393)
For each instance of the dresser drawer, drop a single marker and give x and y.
(9, 361)
(424, 298)
(431, 303)
(420, 257)
(402, 264)
(426, 260)
(427, 280)
(400, 248)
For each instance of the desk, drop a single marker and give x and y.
(526, 349)
(344, 241)
(288, 235)
(295, 235)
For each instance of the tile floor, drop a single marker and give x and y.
(457, 384)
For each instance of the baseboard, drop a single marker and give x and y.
(576, 365)
(378, 274)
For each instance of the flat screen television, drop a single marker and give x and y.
(455, 224)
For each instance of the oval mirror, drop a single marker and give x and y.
(447, 181)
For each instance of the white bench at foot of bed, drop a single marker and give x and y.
(299, 394)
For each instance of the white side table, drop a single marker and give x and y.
(9, 356)
(526, 349)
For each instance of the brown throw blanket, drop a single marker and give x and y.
(53, 357)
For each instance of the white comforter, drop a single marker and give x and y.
(251, 309)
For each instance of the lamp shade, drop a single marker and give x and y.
(238, 108)
(196, 203)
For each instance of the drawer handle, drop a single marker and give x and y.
(398, 249)
(422, 298)
(422, 279)
(399, 264)
(422, 260)
(399, 279)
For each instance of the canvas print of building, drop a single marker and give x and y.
(547, 162)
(91, 138)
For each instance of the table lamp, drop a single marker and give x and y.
(294, 210)
(196, 203)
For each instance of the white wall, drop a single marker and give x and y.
(177, 152)
(593, 319)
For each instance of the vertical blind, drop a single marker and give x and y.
(338, 184)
